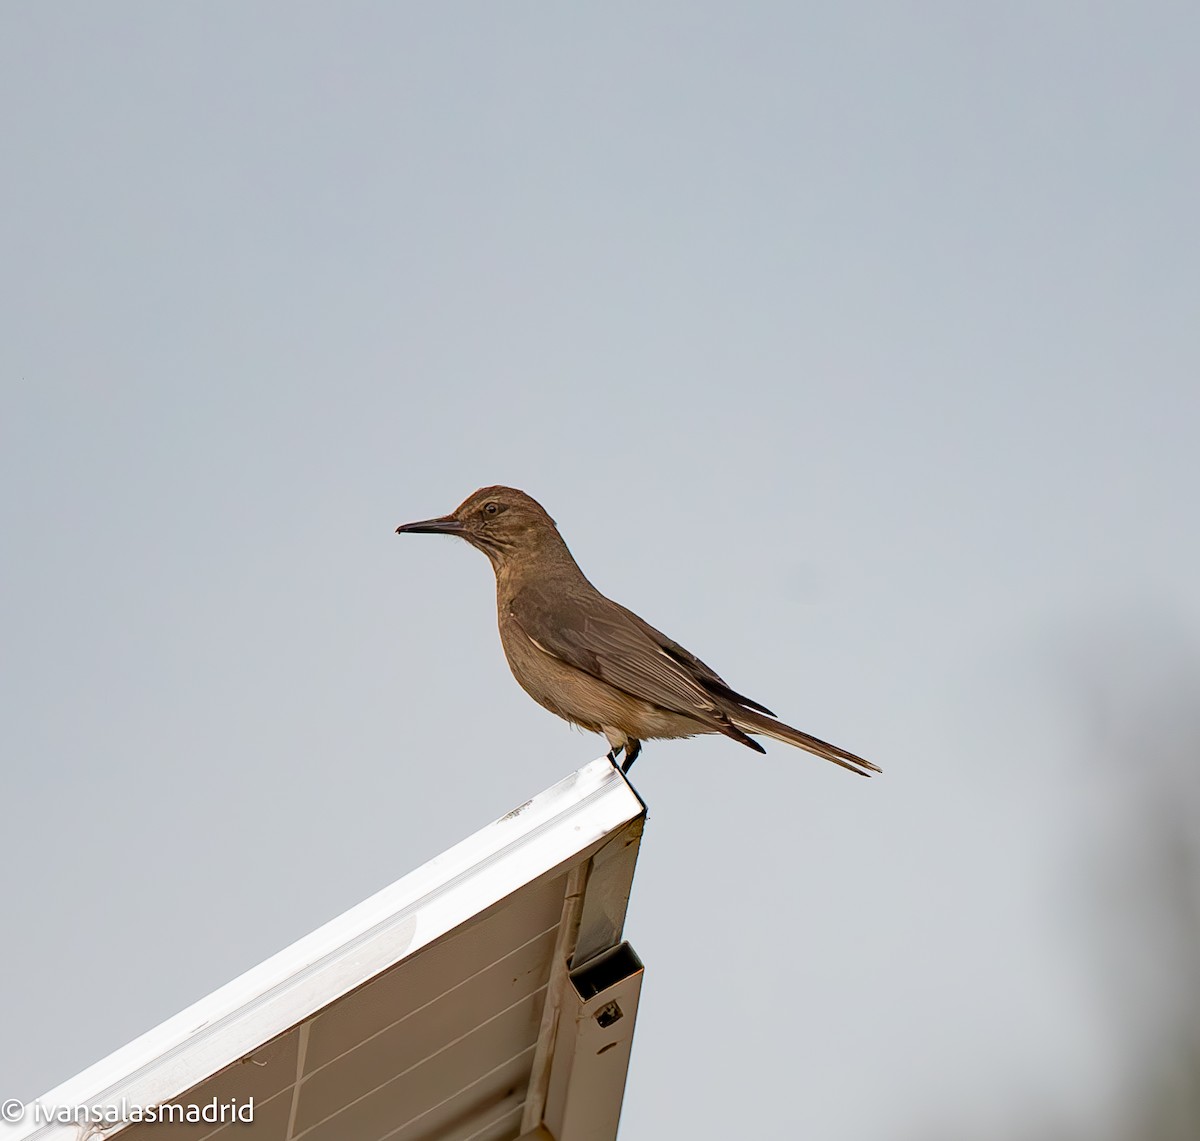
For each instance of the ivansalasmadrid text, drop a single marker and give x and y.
(212, 1112)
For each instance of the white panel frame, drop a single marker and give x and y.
(554, 829)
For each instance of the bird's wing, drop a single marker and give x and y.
(705, 675)
(614, 645)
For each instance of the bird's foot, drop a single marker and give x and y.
(632, 749)
(613, 754)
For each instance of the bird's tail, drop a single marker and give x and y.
(750, 722)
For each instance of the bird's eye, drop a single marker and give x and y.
(490, 508)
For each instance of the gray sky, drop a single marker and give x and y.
(855, 346)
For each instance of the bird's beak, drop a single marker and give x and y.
(443, 525)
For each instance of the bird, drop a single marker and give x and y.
(590, 660)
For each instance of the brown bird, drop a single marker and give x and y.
(591, 661)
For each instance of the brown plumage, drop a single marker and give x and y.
(587, 658)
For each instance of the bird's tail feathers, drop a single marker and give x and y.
(750, 722)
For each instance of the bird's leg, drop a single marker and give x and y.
(613, 754)
(632, 748)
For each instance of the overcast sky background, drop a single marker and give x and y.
(855, 346)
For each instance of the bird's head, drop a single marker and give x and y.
(501, 521)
